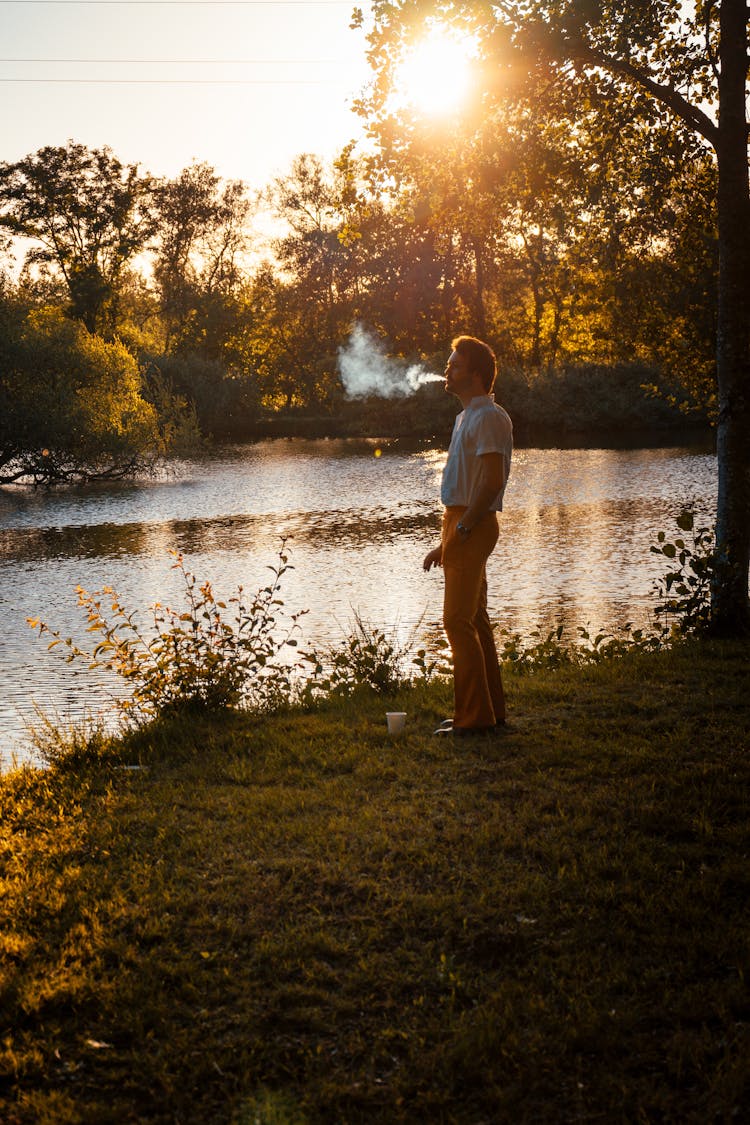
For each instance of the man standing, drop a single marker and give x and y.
(473, 484)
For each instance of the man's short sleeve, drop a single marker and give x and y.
(494, 433)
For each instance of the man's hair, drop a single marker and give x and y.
(480, 358)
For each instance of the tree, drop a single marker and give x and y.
(676, 333)
(85, 213)
(684, 61)
(301, 313)
(308, 201)
(529, 234)
(201, 227)
(71, 406)
(289, 362)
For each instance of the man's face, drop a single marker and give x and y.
(458, 378)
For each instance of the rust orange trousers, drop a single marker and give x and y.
(479, 699)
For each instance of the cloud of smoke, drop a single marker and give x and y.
(367, 370)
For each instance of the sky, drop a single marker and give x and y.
(250, 84)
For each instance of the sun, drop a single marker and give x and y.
(434, 76)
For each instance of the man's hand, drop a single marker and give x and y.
(434, 558)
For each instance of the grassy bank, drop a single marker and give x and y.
(299, 920)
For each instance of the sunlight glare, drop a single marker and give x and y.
(434, 77)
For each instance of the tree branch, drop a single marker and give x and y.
(578, 51)
(692, 115)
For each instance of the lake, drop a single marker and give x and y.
(359, 517)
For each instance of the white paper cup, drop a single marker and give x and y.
(396, 721)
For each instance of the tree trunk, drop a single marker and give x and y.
(730, 605)
(479, 312)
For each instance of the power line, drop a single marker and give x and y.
(191, 62)
(210, 3)
(182, 81)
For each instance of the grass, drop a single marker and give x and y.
(298, 920)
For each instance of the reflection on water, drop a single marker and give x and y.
(573, 546)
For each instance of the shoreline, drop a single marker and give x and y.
(526, 437)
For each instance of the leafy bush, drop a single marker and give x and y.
(225, 404)
(545, 651)
(194, 658)
(368, 657)
(71, 406)
(539, 651)
(586, 398)
(685, 590)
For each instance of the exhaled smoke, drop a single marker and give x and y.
(367, 370)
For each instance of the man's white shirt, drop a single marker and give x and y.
(483, 427)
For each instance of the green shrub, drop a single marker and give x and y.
(225, 403)
(685, 590)
(71, 404)
(368, 657)
(546, 651)
(204, 657)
